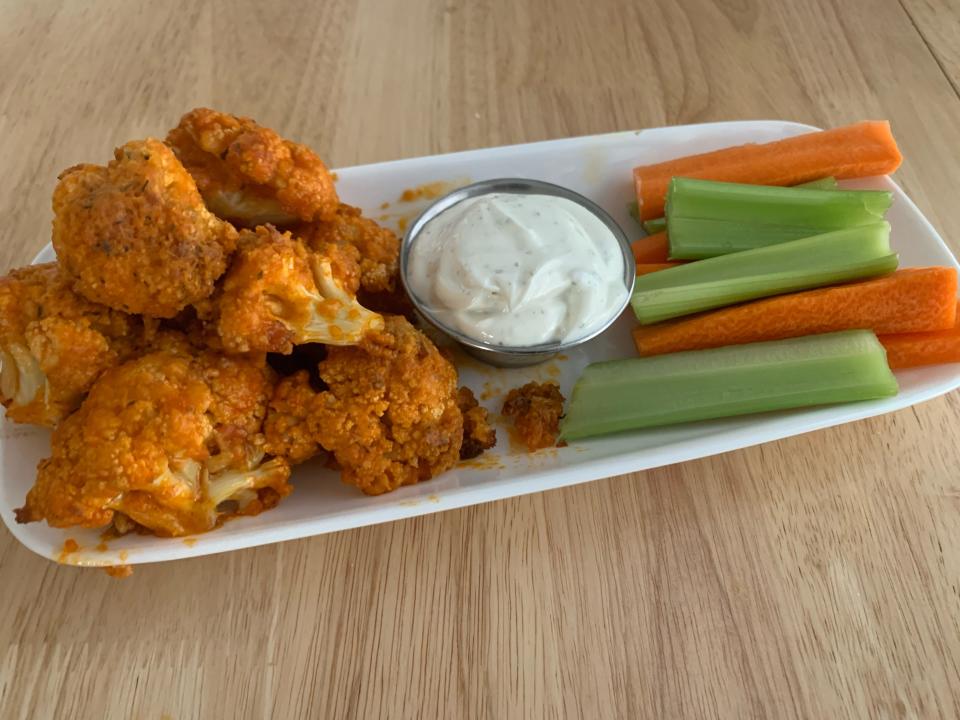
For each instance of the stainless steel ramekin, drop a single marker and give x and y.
(498, 354)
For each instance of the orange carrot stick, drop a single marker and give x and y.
(910, 300)
(860, 150)
(644, 268)
(652, 248)
(923, 348)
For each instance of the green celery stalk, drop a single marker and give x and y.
(699, 239)
(827, 183)
(658, 224)
(709, 218)
(827, 259)
(734, 380)
(829, 209)
(654, 226)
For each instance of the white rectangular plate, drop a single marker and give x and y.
(600, 168)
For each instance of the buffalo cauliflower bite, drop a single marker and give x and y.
(536, 409)
(197, 324)
(478, 433)
(249, 174)
(289, 429)
(135, 235)
(241, 388)
(167, 442)
(389, 415)
(54, 344)
(378, 248)
(278, 294)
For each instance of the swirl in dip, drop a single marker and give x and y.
(518, 270)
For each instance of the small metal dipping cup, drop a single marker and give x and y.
(500, 355)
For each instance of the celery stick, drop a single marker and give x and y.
(828, 209)
(709, 218)
(734, 380)
(658, 224)
(654, 226)
(826, 259)
(827, 183)
(699, 239)
(634, 209)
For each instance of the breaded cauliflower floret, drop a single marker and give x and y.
(536, 409)
(135, 235)
(54, 344)
(278, 294)
(249, 174)
(170, 442)
(241, 388)
(377, 247)
(390, 413)
(197, 324)
(478, 433)
(289, 429)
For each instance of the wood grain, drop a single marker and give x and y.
(814, 577)
(940, 30)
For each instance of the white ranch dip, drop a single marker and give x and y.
(518, 270)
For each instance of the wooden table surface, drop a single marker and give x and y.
(814, 577)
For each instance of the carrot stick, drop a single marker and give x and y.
(651, 249)
(923, 348)
(644, 268)
(859, 150)
(910, 300)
